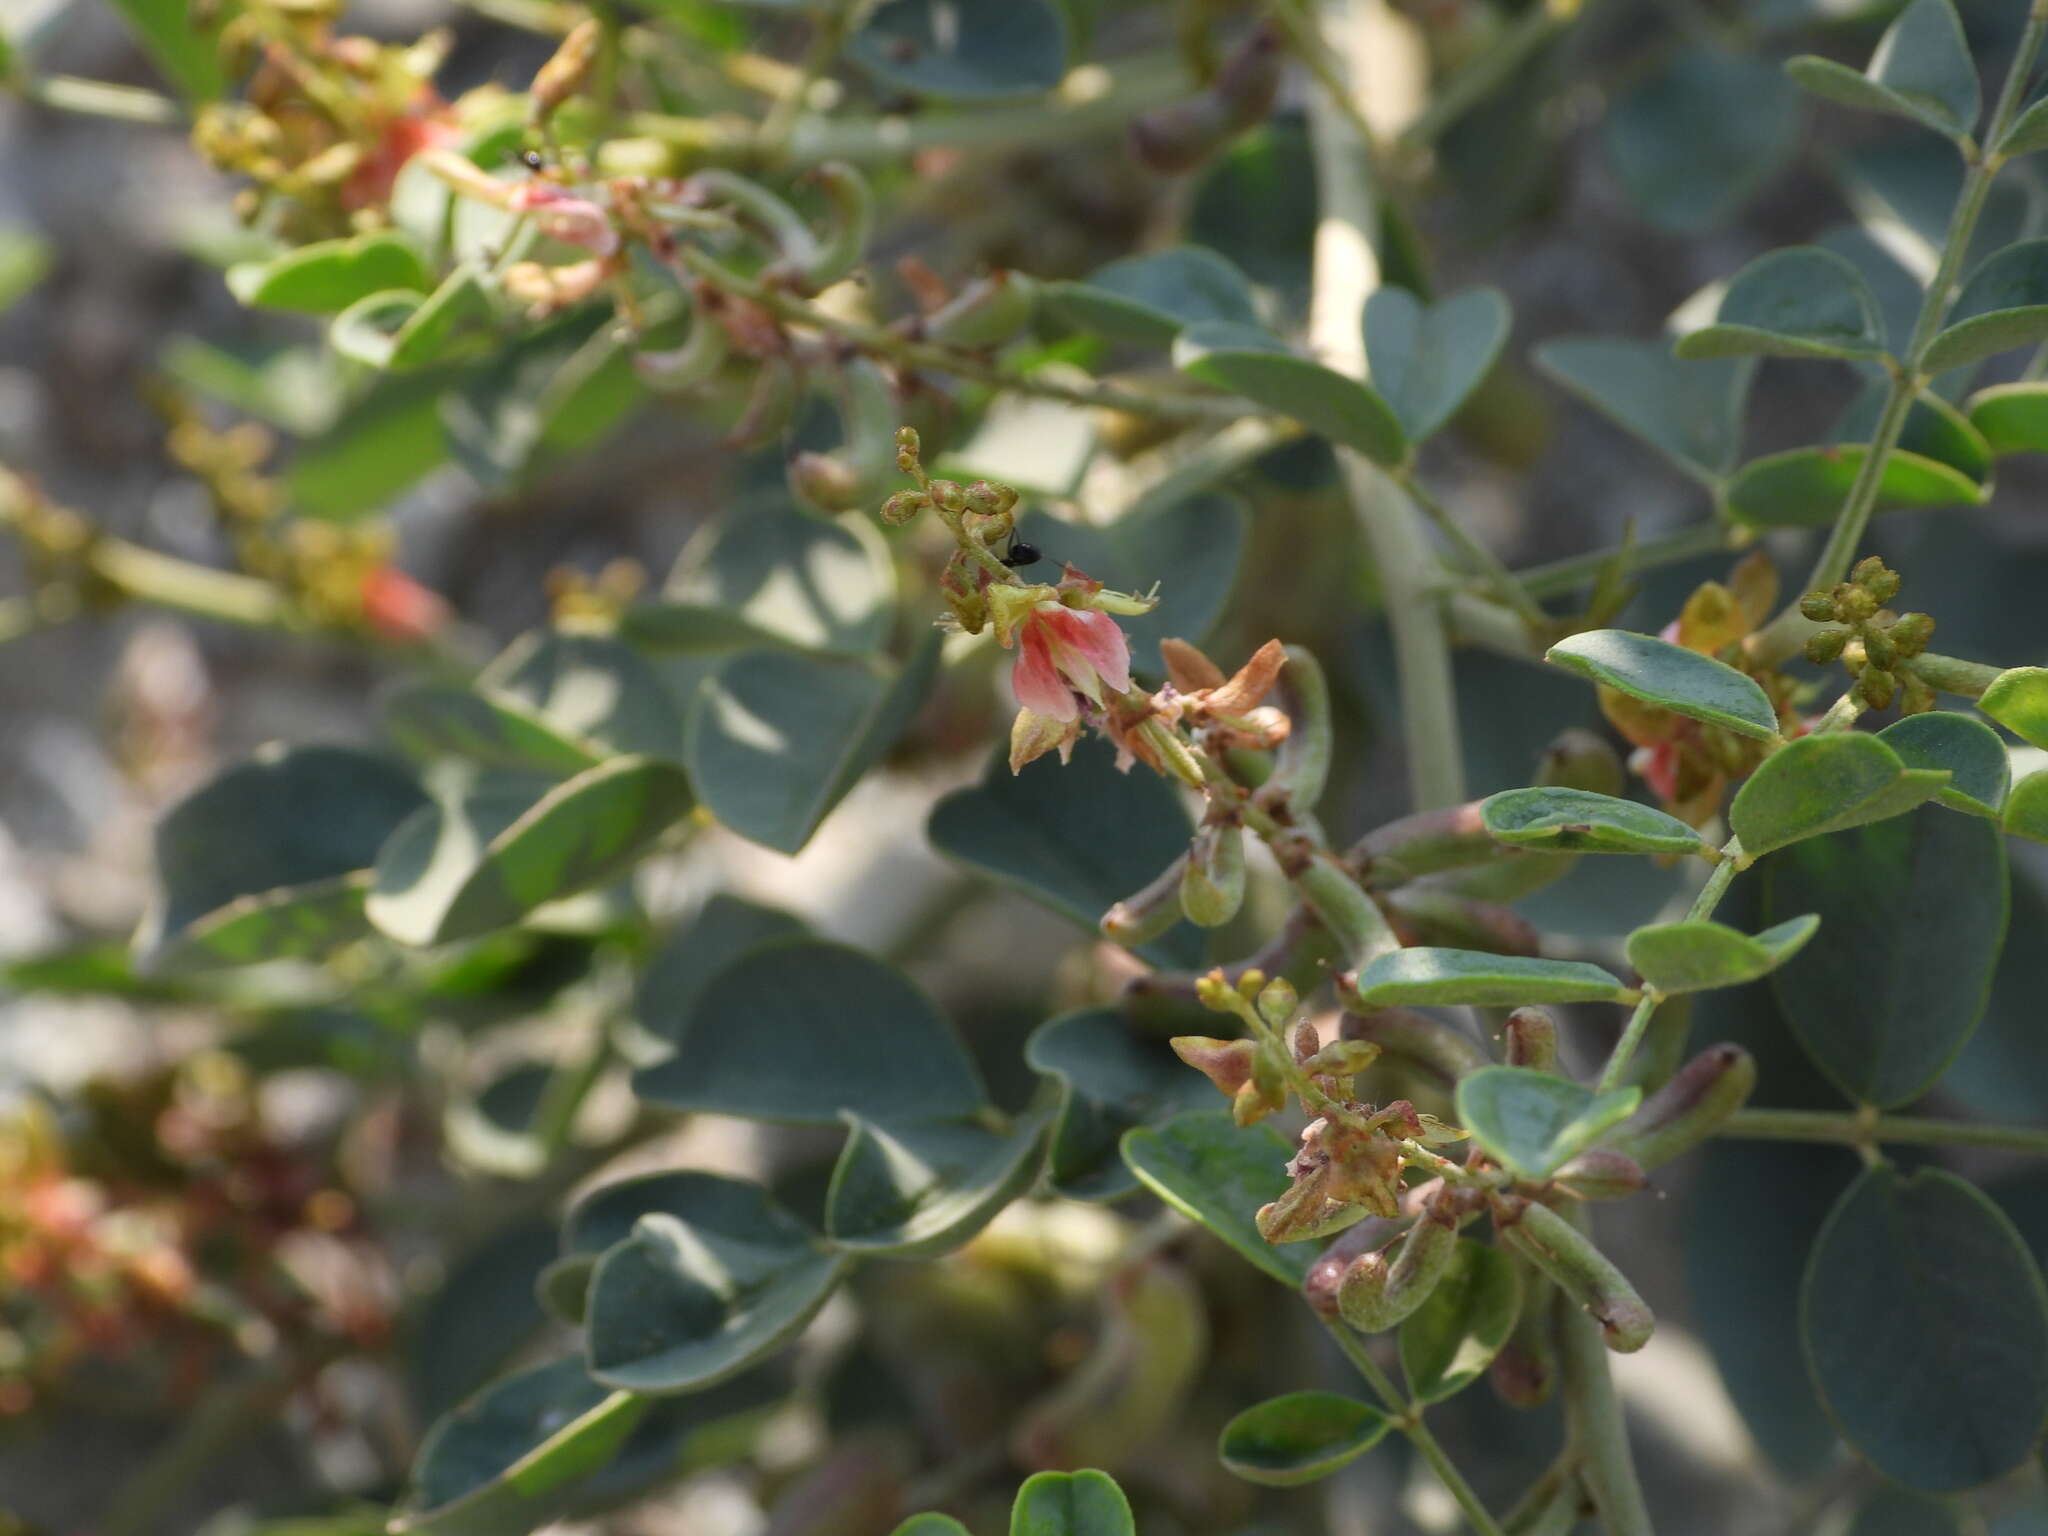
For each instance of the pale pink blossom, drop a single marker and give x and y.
(1065, 655)
(564, 216)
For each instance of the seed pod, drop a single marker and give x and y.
(695, 362)
(1359, 927)
(769, 406)
(1689, 1108)
(761, 213)
(1578, 759)
(1376, 1295)
(852, 222)
(1446, 1052)
(564, 73)
(1532, 1039)
(1819, 607)
(1142, 917)
(1175, 140)
(1601, 1173)
(1824, 645)
(1301, 763)
(986, 313)
(1325, 1275)
(1212, 881)
(1524, 1373)
(1587, 1276)
(1431, 914)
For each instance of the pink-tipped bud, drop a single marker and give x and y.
(1601, 1173)
(1689, 1108)
(1532, 1039)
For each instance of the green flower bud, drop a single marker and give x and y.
(1213, 879)
(1342, 1058)
(1585, 1274)
(1855, 604)
(1824, 645)
(1819, 607)
(949, 494)
(1265, 1094)
(1532, 1039)
(904, 506)
(1879, 648)
(824, 481)
(1876, 685)
(1911, 632)
(1376, 1295)
(1689, 1108)
(1872, 575)
(1277, 1001)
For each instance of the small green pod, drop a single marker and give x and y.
(1531, 1035)
(1689, 1108)
(1376, 1295)
(760, 212)
(1440, 1048)
(695, 362)
(1212, 880)
(1352, 917)
(986, 313)
(1143, 916)
(1586, 1275)
(1301, 763)
(846, 237)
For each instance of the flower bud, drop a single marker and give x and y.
(1213, 879)
(1142, 917)
(986, 313)
(563, 74)
(904, 506)
(1911, 633)
(1265, 1094)
(960, 584)
(1532, 1039)
(1585, 1274)
(1251, 981)
(1277, 1001)
(1418, 1038)
(1376, 1295)
(1578, 759)
(1689, 1108)
(991, 499)
(1601, 1173)
(1226, 1063)
(1880, 648)
(825, 481)
(1819, 607)
(1876, 686)
(1824, 645)
(1855, 603)
(949, 494)
(1342, 1058)
(1874, 577)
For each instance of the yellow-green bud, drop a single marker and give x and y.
(1824, 645)
(1277, 1001)
(1911, 633)
(1876, 685)
(1819, 607)
(903, 506)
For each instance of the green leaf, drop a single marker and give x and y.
(491, 849)
(1078, 837)
(398, 329)
(510, 1458)
(973, 50)
(1901, 1512)
(2026, 814)
(379, 446)
(2012, 417)
(1193, 548)
(2003, 305)
(1926, 1327)
(1085, 1503)
(187, 53)
(931, 1525)
(270, 859)
(685, 1302)
(1912, 911)
(1934, 430)
(588, 688)
(1691, 412)
(1218, 1174)
(1696, 138)
(1350, 414)
(776, 739)
(1802, 301)
(1806, 487)
(915, 1190)
(328, 276)
(674, 981)
(2028, 134)
(1820, 784)
(1426, 359)
(1978, 766)
(1147, 299)
(767, 573)
(2018, 700)
(1448, 1342)
(1697, 956)
(1112, 1077)
(1432, 977)
(1579, 821)
(1255, 203)
(1670, 677)
(1299, 1438)
(1922, 70)
(799, 1031)
(433, 721)
(1532, 1121)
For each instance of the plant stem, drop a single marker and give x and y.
(1849, 1128)
(1409, 1421)
(1639, 1021)
(878, 342)
(1951, 674)
(1567, 575)
(1789, 630)
(101, 98)
(1346, 271)
(150, 577)
(1594, 1412)
(1482, 561)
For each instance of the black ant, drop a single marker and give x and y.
(1022, 554)
(532, 160)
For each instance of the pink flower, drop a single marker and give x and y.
(1067, 652)
(564, 216)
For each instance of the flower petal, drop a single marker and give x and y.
(1037, 682)
(1253, 681)
(1097, 637)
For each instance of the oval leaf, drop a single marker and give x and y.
(1670, 677)
(1976, 761)
(1697, 956)
(1912, 912)
(2018, 700)
(1448, 1342)
(1689, 411)
(2026, 814)
(1444, 977)
(2012, 417)
(1350, 414)
(1821, 784)
(1805, 487)
(1217, 1173)
(1799, 302)
(1426, 359)
(1148, 299)
(1922, 70)
(1532, 1121)
(328, 276)
(683, 1303)
(2003, 305)
(1926, 1327)
(1112, 1077)
(1085, 1503)
(914, 1190)
(588, 688)
(1299, 1438)
(1579, 821)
